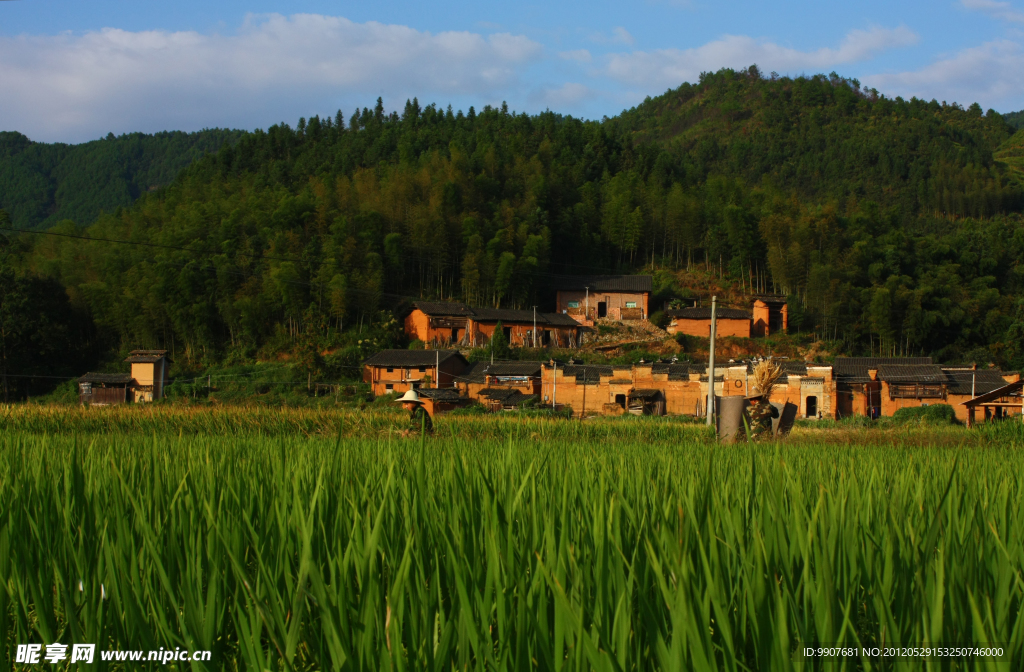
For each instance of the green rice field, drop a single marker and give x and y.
(319, 540)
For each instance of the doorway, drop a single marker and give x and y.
(620, 399)
(455, 335)
(812, 407)
(602, 308)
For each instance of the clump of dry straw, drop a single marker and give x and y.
(766, 374)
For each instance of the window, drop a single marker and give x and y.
(389, 387)
(415, 386)
(574, 304)
(423, 369)
(390, 370)
(630, 304)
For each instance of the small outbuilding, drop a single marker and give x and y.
(104, 389)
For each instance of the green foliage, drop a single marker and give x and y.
(1015, 119)
(632, 546)
(499, 346)
(660, 318)
(893, 225)
(42, 184)
(939, 414)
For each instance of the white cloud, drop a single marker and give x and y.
(80, 86)
(991, 74)
(619, 36)
(578, 55)
(568, 95)
(1003, 11)
(671, 67)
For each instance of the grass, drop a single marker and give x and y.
(303, 539)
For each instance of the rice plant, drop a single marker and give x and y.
(627, 546)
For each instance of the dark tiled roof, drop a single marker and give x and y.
(444, 308)
(644, 394)
(587, 373)
(984, 381)
(107, 378)
(605, 283)
(148, 352)
(476, 373)
(402, 358)
(676, 371)
(514, 369)
(441, 394)
(705, 314)
(911, 373)
(143, 359)
(558, 320)
(507, 397)
(620, 381)
(855, 369)
(776, 299)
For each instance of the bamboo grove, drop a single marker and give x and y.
(893, 225)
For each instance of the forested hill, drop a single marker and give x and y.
(41, 183)
(893, 225)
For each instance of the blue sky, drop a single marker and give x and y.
(74, 71)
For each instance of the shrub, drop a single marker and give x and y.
(936, 414)
(660, 319)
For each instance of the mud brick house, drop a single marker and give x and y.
(616, 297)
(145, 383)
(858, 389)
(149, 370)
(967, 383)
(403, 370)
(450, 323)
(441, 399)
(441, 322)
(771, 315)
(679, 388)
(553, 329)
(697, 322)
(480, 376)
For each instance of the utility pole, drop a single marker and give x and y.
(711, 362)
(554, 386)
(437, 369)
(535, 326)
(586, 315)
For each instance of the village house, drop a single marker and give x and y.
(501, 385)
(448, 324)
(969, 382)
(697, 322)
(997, 404)
(402, 370)
(771, 315)
(438, 322)
(104, 389)
(145, 382)
(149, 371)
(552, 329)
(679, 388)
(616, 297)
